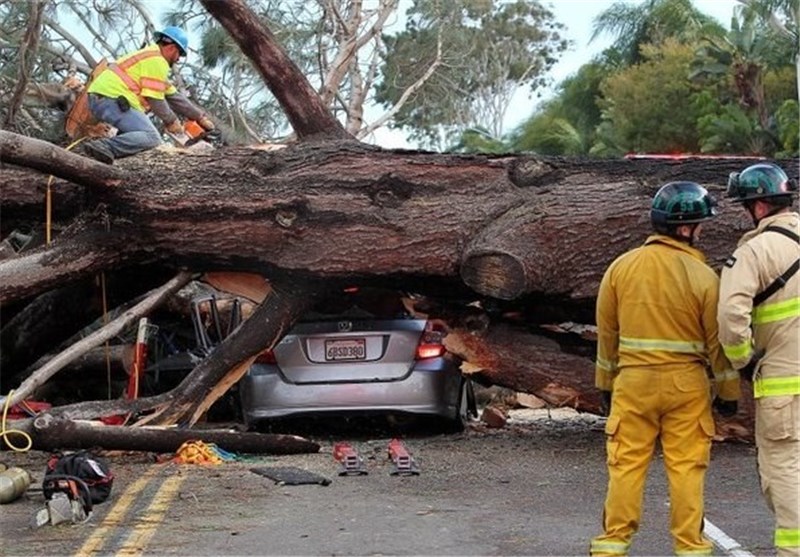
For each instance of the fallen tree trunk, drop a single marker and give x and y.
(506, 226)
(514, 358)
(49, 433)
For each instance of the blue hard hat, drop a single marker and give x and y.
(176, 35)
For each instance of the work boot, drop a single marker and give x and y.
(98, 151)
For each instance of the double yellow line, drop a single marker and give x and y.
(144, 526)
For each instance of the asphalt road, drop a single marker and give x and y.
(534, 487)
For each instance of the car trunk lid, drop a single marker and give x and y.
(348, 351)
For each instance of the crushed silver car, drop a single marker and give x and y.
(359, 353)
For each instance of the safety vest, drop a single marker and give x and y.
(137, 76)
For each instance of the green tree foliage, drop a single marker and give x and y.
(752, 58)
(647, 105)
(484, 51)
(566, 124)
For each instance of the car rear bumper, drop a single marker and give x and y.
(427, 390)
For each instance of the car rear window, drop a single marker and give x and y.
(358, 303)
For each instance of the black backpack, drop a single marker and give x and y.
(91, 471)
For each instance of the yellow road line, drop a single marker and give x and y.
(138, 539)
(115, 515)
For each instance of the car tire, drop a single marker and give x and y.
(465, 408)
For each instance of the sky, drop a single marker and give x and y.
(577, 16)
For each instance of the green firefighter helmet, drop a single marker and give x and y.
(678, 203)
(760, 181)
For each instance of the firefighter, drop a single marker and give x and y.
(759, 329)
(656, 339)
(123, 93)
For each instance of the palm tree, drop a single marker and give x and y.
(783, 17)
(652, 21)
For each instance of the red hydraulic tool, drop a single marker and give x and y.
(352, 463)
(404, 464)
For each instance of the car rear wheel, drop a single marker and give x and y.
(465, 408)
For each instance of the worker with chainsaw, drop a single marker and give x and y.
(123, 93)
(759, 329)
(656, 338)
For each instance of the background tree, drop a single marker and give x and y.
(487, 50)
(751, 61)
(566, 125)
(651, 22)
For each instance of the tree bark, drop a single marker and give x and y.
(508, 226)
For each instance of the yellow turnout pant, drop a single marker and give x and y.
(778, 442)
(673, 405)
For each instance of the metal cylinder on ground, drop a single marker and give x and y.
(13, 483)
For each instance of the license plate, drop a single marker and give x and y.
(346, 349)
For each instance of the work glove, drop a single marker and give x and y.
(175, 127)
(206, 123)
(746, 372)
(605, 402)
(725, 408)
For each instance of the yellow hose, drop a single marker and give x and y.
(6, 433)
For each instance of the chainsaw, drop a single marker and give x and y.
(68, 500)
(194, 134)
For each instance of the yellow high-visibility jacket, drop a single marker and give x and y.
(774, 325)
(657, 308)
(136, 76)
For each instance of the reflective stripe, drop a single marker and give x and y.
(767, 313)
(609, 548)
(133, 60)
(776, 386)
(153, 84)
(738, 351)
(787, 537)
(605, 364)
(662, 344)
(727, 375)
(128, 80)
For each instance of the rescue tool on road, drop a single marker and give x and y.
(404, 464)
(351, 461)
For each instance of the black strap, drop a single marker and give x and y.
(785, 231)
(781, 281)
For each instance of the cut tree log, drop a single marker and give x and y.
(50, 433)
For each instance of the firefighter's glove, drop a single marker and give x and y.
(746, 373)
(206, 123)
(605, 402)
(175, 127)
(725, 408)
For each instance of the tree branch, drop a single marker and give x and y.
(50, 159)
(153, 300)
(304, 109)
(27, 57)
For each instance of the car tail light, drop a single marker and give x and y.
(430, 345)
(266, 357)
(429, 351)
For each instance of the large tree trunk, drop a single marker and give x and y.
(507, 226)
